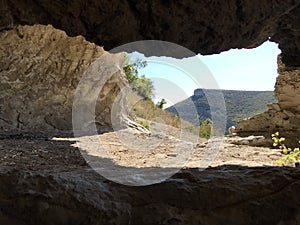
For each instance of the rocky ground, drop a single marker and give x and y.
(46, 180)
(132, 149)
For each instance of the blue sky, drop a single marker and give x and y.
(245, 69)
(237, 69)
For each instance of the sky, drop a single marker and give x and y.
(236, 69)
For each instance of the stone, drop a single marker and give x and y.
(40, 70)
(226, 194)
(282, 116)
(206, 27)
(231, 130)
(199, 93)
(250, 140)
(41, 66)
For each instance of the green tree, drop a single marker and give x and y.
(142, 85)
(161, 103)
(205, 128)
(131, 69)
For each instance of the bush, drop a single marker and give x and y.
(144, 124)
(140, 84)
(143, 86)
(205, 128)
(292, 156)
(161, 103)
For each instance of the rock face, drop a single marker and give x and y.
(282, 116)
(224, 195)
(203, 26)
(40, 70)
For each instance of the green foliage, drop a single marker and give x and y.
(205, 128)
(132, 69)
(140, 84)
(291, 155)
(143, 86)
(144, 124)
(239, 105)
(161, 103)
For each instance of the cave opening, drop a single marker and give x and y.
(245, 76)
(48, 182)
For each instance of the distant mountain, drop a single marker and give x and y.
(239, 105)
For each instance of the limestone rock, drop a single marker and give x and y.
(205, 27)
(282, 116)
(40, 68)
(287, 88)
(229, 194)
(251, 140)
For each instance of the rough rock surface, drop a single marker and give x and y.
(62, 189)
(282, 116)
(46, 181)
(203, 26)
(40, 68)
(224, 195)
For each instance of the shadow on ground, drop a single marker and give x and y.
(43, 181)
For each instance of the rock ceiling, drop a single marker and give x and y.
(203, 26)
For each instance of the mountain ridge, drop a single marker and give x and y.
(239, 104)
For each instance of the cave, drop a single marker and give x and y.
(45, 48)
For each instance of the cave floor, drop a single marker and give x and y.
(46, 180)
(130, 149)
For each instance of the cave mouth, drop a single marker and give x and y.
(146, 158)
(246, 76)
(258, 62)
(41, 193)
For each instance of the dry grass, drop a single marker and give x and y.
(147, 110)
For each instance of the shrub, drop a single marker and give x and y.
(291, 155)
(161, 103)
(205, 128)
(144, 124)
(140, 84)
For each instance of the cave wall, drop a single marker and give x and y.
(282, 116)
(203, 26)
(40, 68)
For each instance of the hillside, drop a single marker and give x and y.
(239, 105)
(145, 111)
